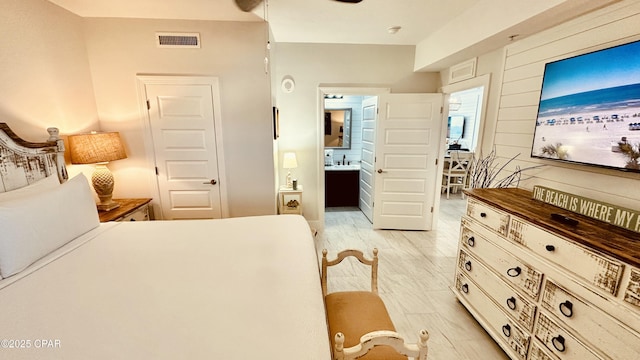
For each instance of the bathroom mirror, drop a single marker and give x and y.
(337, 128)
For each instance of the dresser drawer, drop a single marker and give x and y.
(599, 270)
(506, 297)
(503, 329)
(538, 352)
(632, 289)
(513, 270)
(613, 339)
(560, 342)
(488, 216)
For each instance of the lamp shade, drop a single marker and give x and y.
(289, 161)
(96, 147)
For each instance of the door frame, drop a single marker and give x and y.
(143, 80)
(333, 89)
(482, 80)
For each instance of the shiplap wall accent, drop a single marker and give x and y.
(355, 103)
(521, 85)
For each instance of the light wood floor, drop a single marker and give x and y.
(416, 269)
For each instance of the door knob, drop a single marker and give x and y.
(212, 182)
(380, 171)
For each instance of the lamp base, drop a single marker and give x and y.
(289, 180)
(102, 180)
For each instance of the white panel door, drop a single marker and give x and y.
(407, 143)
(367, 165)
(183, 131)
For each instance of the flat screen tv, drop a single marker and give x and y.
(589, 109)
(455, 127)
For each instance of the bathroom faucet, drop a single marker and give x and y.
(344, 159)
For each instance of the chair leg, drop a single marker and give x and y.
(448, 186)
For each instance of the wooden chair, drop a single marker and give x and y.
(350, 253)
(359, 323)
(381, 338)
(456, 171)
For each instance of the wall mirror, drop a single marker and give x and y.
(337, 128)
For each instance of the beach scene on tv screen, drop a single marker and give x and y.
(589, 109)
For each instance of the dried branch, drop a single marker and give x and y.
(485, 173)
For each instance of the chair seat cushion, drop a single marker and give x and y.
(355, 313)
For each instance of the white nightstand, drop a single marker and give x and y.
(290, 201)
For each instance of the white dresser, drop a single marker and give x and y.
(545, 289)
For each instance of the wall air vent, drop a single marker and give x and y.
(178, 40)
(463, 71)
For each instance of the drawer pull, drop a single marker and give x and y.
(558, 343)
(467, 265)
(566, 308)
(511, 303)
(550, 248)
(465, 288)
(471, 241)
(506, 330)
(514, 272)
(483, 215)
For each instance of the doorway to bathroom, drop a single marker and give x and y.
(396, 165)
(349, 145)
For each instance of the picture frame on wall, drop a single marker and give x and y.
(276, 123)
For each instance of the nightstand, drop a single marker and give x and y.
(129, 210)
(290, 201)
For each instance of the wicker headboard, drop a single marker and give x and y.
(23, 162)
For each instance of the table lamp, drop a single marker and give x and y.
(289, 162)
(99, 148)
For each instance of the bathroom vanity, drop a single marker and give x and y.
(342, 185)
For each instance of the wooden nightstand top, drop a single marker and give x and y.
(126, 206)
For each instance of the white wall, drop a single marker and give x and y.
(44, 71)
(120, 49)
(315, 65)
(520, 91)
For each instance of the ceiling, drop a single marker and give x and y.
(328, 21)
(315, 21)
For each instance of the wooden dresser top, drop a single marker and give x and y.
(617, 242)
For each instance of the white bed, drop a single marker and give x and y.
(242, 288)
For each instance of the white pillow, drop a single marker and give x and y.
(32, 189)
(34, 226)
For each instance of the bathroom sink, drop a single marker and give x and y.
(342, 167)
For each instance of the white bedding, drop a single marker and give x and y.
(242, 288)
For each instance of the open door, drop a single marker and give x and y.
(407, 144)
(367, 163)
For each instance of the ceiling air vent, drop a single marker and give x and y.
(178, 40)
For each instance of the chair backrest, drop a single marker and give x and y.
(460, 161)
(416, 351)
(350, 253)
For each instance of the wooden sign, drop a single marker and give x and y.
(612, 214)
